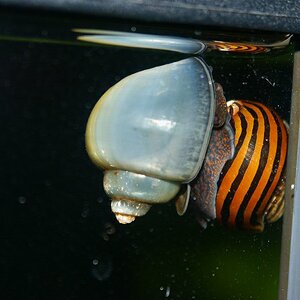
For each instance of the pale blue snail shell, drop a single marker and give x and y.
(150, 132)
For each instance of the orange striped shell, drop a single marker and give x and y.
(256, 171)
(249, 190)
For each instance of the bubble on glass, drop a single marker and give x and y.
(85, 213)
(101, 269)
(105, 236)
(85, 210)
(91, 89)
(44, 32)
(168, 291)
(109, 228)
(48, 183)
(22, 200)
(100, 199)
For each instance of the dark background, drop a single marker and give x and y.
(59, 239)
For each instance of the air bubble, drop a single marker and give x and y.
(168, 291)
(110, 228)
(22, 200)
(99, 199)
(101, 268)
(85, 213)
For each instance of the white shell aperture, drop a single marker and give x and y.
(155, 125)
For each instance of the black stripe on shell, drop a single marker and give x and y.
(254, 220)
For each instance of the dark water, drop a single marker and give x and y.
(59, 239)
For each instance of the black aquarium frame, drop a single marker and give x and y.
(276, 16)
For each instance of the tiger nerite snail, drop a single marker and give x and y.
(167, 132)
(249, 189)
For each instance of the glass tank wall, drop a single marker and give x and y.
(59, 238)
